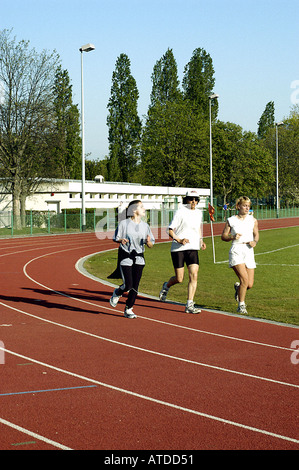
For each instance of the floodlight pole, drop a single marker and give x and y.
(277, 191)
(87, 48)
(211, 97)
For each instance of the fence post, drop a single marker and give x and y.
(64, 220)
(31, 223)
(12, 222)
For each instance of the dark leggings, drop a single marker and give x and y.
(131, 276)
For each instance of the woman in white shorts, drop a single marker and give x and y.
(242, 230)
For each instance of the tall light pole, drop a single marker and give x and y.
(277, 192)
(87, 48)
(211, 97)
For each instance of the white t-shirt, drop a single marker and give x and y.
(137, 236)
(187, 223)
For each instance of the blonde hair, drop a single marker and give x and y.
(242, 200)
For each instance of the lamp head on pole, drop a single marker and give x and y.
(279, 123)
(211, 97)
(87, 48)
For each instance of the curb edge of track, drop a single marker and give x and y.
(80, 268)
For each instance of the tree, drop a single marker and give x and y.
(165, 82)
(288, 157)
(175, 146)
(67, 141)
(258, 171)
(241, 163)
(267, 120)
(26, 113)
(198, 83)
(123, 122)
(96, 167)
(227, 158)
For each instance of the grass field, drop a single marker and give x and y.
(274, 295)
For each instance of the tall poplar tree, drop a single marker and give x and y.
(267, 120)
(67, 141)
(175, 136)
(198, 83)
(123, 123)
(165, 82)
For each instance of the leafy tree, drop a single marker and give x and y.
(288, 157)
(198, 83)
(267, 120)
(96, 167)
(227, 158)
(67, 141)
(26, 113)
(123, 122)
(165, 82)
(258, 171)
(175, 146)
(241, 164)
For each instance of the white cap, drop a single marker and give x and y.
(192, 193)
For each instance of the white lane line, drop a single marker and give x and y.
(149, 351)
(140, 316)
(33, 434)
(159, 402)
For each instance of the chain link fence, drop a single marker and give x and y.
(106, 220)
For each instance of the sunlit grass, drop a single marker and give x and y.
(274, 295)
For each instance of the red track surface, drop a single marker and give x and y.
(79, 375)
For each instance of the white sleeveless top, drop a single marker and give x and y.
(242, 226)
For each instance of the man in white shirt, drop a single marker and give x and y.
(186, 233)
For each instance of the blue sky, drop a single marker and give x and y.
(254, 45)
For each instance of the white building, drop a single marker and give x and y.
(57, 195)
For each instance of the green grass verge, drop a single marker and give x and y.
(274, 295)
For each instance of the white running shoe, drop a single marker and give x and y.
(114, 299)
(129, 313)
(242, 309)
(192, 309)
(236, 286)
(164, 292)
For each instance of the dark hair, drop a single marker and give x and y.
(130, 210)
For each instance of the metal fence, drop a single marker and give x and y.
(104, 220)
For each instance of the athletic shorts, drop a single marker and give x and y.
(184, 256)
(242, 254)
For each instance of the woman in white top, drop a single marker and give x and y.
(242, 230)
(186, 233)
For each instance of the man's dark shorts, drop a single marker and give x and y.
(184, 256)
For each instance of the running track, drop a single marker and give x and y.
(78, 375)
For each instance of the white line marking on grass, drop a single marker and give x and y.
(273, 264)
(267, 253)
(159, 402)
